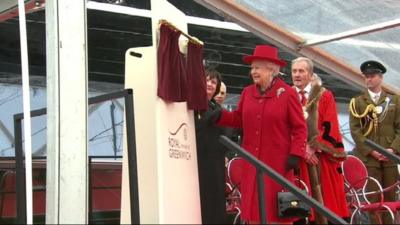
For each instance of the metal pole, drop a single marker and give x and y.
(90, 194)
(261, 197)
(353, 33)
(112, 111)
(20, 173)
(132, 160)
(383, 151)
(27, 110)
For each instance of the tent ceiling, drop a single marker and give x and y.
(307, 21)
(111, 33)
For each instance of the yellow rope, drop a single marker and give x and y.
(371, 125)
(368, 109)
(353, 110)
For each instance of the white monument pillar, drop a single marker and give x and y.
(67, 167)
(165, 139)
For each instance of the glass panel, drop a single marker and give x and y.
(10, 104)
(105, 131)
(324, 17)
(311, 19)
(382, 46)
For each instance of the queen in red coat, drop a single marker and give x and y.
(274, 130)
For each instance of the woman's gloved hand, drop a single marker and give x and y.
(213, 114)
(292, 163)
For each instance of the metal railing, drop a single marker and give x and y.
(264, 169)
(127, 94)
(383, 151)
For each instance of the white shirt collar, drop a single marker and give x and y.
(307, 89)
(373, 94)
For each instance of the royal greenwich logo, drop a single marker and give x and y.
(179, 146)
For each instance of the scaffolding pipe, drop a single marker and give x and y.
(352, 33)
(27, 110)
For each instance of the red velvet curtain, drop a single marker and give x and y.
(196, 87)
(171, 67)
(180, 80)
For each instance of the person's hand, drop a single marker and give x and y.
(213, 114)
(378, 156)
(292, 163)
(311, 158)
(384, 158)
(390, 150)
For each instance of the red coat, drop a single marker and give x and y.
(332, 183)
(273, 127)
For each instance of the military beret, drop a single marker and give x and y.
(372, 67)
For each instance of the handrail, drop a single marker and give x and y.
(127, 94)
(383, 151)
(260, 166)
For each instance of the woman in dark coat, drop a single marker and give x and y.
(211, 158)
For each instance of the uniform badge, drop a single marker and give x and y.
(378, 109)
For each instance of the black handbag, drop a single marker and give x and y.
(289, 205)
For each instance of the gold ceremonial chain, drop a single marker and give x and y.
(370, 108)
(191, 39)
(305, 108)
(311, 102)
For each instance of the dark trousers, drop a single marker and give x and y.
(386, 176)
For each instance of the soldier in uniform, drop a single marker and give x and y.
(376, 115)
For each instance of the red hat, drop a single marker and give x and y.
(265, 52)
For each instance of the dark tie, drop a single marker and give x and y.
(303, 99)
